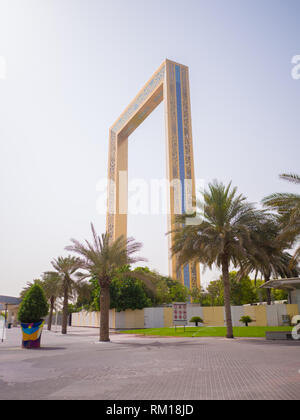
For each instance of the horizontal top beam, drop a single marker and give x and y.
(151, 88)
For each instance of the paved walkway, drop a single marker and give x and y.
(77, 366)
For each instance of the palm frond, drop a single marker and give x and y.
(291, 178)
(102, 257)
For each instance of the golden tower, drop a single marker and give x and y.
(171, 84)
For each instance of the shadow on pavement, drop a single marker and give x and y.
(47, 349)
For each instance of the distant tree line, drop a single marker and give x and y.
(243, 291)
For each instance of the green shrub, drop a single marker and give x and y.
(196, 319)
(246, 320)
(34, 306)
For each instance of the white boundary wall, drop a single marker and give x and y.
(262, 315)
(275, 313)
(236, 314)
(154, 318)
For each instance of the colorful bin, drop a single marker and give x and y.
(32, 335)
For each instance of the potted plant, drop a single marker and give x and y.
(33, 309)
(246, 320)
(196, 320)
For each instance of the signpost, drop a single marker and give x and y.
(180, 314)
(2, 327)
(4, 324)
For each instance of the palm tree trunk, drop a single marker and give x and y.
(65, 310)
(52, 301)
(226, 282)
(104, 313)
(269, 297)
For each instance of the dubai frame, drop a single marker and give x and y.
(171, 84)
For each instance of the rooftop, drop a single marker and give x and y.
(8, 300)
(289, 284)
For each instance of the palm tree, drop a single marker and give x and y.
(102, 259)
(66, 267)
(53, 286)
(288, 207)
(270, 257)
(223, 237)
(83, 294)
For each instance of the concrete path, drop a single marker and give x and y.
(77, 366)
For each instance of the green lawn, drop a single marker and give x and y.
(207, 331)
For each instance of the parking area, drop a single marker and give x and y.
(77, 366)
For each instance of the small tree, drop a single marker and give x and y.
(52, 286)
(196, 319)
(66, 267)
(246, 320)
(34, 306)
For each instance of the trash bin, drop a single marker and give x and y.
(9, 325)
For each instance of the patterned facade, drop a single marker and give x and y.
(170, 84)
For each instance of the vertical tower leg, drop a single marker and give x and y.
(122, 188)
(180, 159)
(117, 203)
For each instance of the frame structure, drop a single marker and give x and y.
(170, 83)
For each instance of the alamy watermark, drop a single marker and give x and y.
(296, 67)
(143, 197)
(296, 329)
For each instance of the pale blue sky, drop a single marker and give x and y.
(74, 65)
